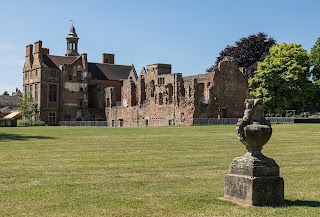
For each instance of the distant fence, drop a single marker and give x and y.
(84, 123)
(213, 121)
(195, 122)
(281, 120)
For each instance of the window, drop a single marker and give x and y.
(53, 73)
(160, 81)
(25, 89)
(80, 76)
(53, 91)
(36, 72)
(160, 99)
(30, 90)
(70, 77)
(170, 93)
(152, 88)
(36, 92)
(26, 75)
(182, 117)
(52, 117)
(30, 74)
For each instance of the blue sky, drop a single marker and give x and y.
(189, 34)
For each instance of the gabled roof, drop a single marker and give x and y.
(55, 61)
(9, 109)
(143, 72)
(106, 71)
(133, 73)
(9, 100)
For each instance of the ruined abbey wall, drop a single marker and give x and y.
(158, 97)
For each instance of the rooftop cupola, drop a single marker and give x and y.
(72, 42)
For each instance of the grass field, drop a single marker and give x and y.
(152, 171)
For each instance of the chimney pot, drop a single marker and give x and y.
(29, 50)
(108, 58)
(38, 47)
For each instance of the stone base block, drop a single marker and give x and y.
(255, 191)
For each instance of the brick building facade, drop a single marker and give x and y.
(69, 88)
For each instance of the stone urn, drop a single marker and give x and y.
(253, 129)
(253, 178)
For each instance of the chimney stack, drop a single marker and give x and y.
(38, 47)
(29, 50)
(108, 58)
(45, 51)
(85, 61)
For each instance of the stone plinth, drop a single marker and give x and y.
(253, 179)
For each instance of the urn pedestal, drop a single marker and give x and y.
(253, 178)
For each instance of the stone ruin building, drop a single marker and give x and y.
(69, 88)
(159, 97)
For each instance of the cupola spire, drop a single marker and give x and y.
(72, 42)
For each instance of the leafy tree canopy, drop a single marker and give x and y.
(5, 93)
(248, 51)
(315, 61)
(282, 79)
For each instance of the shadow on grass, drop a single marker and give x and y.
(302, 203)
(20, 137)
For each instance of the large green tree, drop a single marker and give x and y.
(283, 79)
(315, 62)
(248, 51)
(315, 71)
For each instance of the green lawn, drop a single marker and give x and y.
(151, 171)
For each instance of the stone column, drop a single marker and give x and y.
(253, 178)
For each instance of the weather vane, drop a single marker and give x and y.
(71, 22)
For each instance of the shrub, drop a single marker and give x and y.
(29, 123)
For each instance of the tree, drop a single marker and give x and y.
(5, 93)
(248, 51)
(28, 109)
(315, 62)
(282, 79)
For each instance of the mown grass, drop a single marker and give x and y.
(153, 171)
